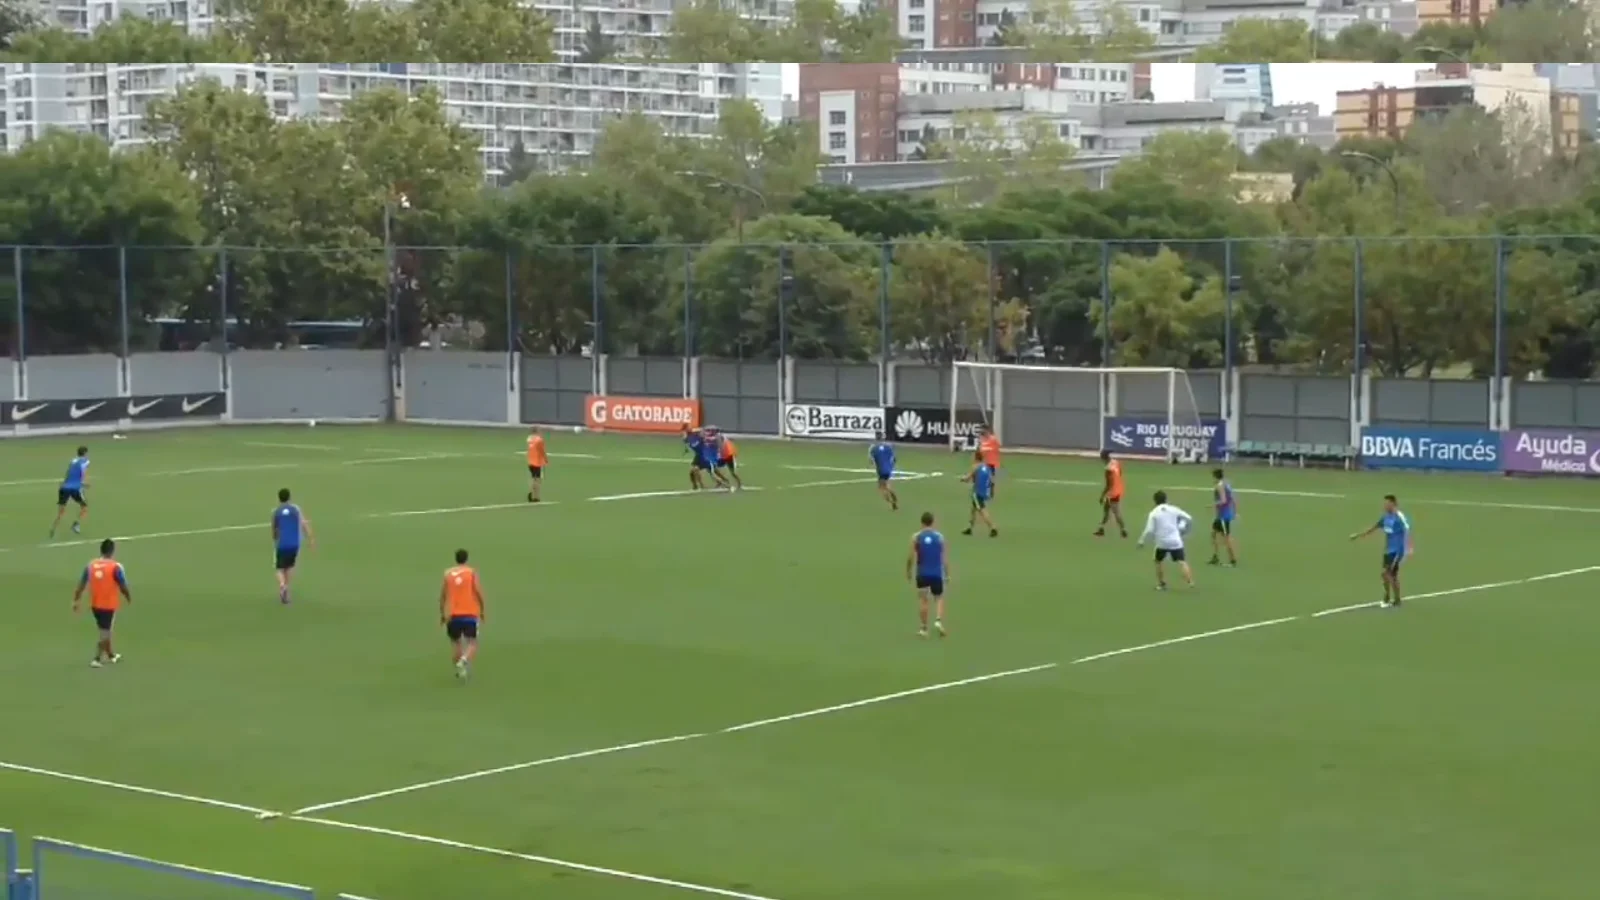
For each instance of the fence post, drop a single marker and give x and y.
(885, 342)
(597, 327)
(21, 353)
(511, 317)
(1223, 398)
(1496, 397)
(993, 328)
(1358, 351)
(1105, 303)
(222, 313)
(390, 355)
(125, 385)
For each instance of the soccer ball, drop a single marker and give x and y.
(311, 423)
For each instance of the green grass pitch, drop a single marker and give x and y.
(1444, 750)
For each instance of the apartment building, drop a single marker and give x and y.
(1382, 111)
(1456, 12)
(1582, 81)
(1303, 123)
(555, 111)
(864, 111)
(635, 25)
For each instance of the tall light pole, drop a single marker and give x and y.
(1394, 180)
(733, 186)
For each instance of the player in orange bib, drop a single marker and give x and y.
(537, 460)
(727, 457)
(107, 585)
(461, 609)
(1111, 496)
(989, 449)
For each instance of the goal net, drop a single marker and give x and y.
(1129, 411)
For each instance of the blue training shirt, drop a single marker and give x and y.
(982, 482)
(1396, 529)
(1225, 505)
(76, 470)
(696, 443)
(286, 526)
(930, 553)
(883, 457)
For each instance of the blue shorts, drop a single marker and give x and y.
(979, 502)
(1222, 525)
(285, 558)
(933, 584)
(883, 477)
(702, 464)
(461, 627)
(1391, 562)
(727, 464)
(75, 494)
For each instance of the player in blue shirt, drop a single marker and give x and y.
(982, 479)
(1222, 526)
(928, 569)
(1397, 545)
(702, 457)
(882, 455)
(289, 525)
(72, 486)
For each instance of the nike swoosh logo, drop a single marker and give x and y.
(136, 408)
(18, 413)
(191, 407)
(77, 413)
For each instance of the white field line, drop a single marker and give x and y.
(542, 860)
(247, 467)
(394, 459)
(264, 815)
(1549, 576)
(927, 689)
(1471, 504)
(285, 445)
(130, 788)
(471, 776)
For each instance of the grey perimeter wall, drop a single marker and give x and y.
(1040, 409)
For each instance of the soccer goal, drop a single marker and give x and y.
(1129, 411)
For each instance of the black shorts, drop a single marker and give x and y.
(1174, 555)
(979, 502)
(103, 617)
(285, 559)
(933, 584)
(73, 494)
(1222, 526)
(727, 464)
(461, 627)
(1113, 501)
(536, 471)
(1391, 562)
(702, 465)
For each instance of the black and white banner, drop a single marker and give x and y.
(930, 424)
(110, 409)
(857, 423)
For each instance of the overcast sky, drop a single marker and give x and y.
(1291, 82)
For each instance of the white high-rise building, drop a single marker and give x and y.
(555, 111)
(1242, 87)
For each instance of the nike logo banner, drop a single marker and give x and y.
(86, 410)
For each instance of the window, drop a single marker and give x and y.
(836, 140)
(836, 117)
(966, 15)
(917, 4)
(837, 160)
(916, 24)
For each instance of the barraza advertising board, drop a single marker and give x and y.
(1551, 451)
(855, 423)
(930, 425)
(1460, 450)
(1155, 436)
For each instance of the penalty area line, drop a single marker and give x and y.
(132, 788)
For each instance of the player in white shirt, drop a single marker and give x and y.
(1168, 524)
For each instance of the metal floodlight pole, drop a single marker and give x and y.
(390, 323)
(1394, 180)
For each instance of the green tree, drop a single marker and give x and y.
(939, 302)
(831, 311)
(1554, 31)
(990, 157)
(483, 31)
(597, 46)
(15, 17)
(1160, 314)
(1364, 41)
(1262, 40)
(878, 215)
(819, 31)
(128, 39)
(68, 189)
(1198, 163)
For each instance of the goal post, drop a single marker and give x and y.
(1131, 411)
